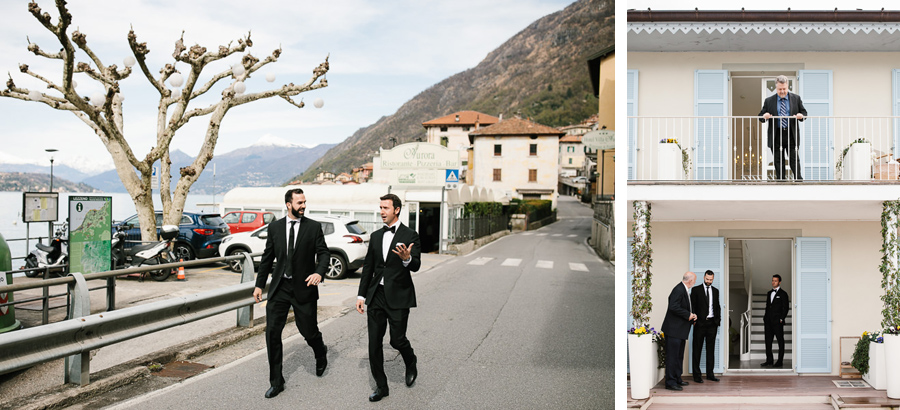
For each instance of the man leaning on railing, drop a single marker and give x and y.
(784, 103)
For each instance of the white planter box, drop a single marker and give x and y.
(668, 163)
(892, 365)
(643, 360)
(858, 162)
(876, 377)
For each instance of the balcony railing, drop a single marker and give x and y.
(735, 148)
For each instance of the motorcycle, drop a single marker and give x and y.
(156, 253)
(56, 254)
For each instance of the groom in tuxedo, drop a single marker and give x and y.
(386, 287)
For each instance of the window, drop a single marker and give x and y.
(532, 175)
(445, 141)
(232, 218)
(327, 228)
(267, 218)
(571, 149)
(497, 174)
(570, 161)
(466, 128)
(186, 220)
(444, 129)
(497, 150)
(532, 150)
(248, 217)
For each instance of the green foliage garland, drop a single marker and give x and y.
(890, 279)
(641, 255)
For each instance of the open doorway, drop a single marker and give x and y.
(751, 265)
(429, 225)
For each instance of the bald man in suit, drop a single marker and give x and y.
(676, 327)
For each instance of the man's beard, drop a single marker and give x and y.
(296, 213)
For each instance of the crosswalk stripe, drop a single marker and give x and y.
(528, 234)
(479, 261)
(578, 266)
(557, 234)
(572, 235)
(541, 234)
(544, 264)
(511, 262)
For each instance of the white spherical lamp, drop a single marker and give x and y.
(176, 80)
(239, 87)
(34, 95)
(238, 69)
(97, 99)
(270, 77)
(130, 61)
(74, 83)
(176, 93)
(318, 103)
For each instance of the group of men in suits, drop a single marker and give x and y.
(699, 307)
(295, 245)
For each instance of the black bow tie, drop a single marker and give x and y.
(392, 229)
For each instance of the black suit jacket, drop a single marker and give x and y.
(399, 291)
(701, 305)
(310, 256)
(676, 323)
(777, 310)
(770, 105)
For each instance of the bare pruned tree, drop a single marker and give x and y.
(103, 113)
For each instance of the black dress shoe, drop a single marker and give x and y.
(411, 374)
(322, 363)
(676, 388)
(273, 391)
(712, 378)
(378, 394)
(766, 364)
(698, 380)
(683, 383)
(778, 365)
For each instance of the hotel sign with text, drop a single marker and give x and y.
(418, 163)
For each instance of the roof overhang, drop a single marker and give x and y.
(765, 31)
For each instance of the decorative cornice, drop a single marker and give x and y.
(759, 28)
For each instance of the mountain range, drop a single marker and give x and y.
(540, 73)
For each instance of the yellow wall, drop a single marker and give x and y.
(855, 278)
(607, 98)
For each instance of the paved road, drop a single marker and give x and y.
(525, 322)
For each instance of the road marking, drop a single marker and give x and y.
(528, 234)
(573, 235)
(511, 262)
(557, 234)
(541, 234)
(578, 266)
(544, 264)
(479, 261)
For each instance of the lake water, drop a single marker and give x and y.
(12, 227)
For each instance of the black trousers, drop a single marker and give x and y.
(276, 317)
(704, 334)
(380, 316)
(674, 360)
(774, 329)
(785, 140)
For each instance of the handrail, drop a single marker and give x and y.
(745, 332)
(75, 338)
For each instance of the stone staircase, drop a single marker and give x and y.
(758, 331)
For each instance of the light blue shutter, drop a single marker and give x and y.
(813, 305)
(817, 143)
(895, 109)
(709, 254)
(710, 134)
(632, 98)
(628, 308)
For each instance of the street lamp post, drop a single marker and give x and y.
(51, 151)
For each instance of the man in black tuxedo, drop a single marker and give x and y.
(777, 306)
(676, 327)
(705, 300)
(783, 132)
(300, 257)
(386, 286)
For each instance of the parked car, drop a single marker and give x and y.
(581, 179)
(199, 235)
(245, 221)
(347, 241)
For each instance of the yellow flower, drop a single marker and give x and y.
(865, 333)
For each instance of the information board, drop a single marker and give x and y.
(40, 206)
(90, 233)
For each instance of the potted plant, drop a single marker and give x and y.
(890, 282)
(860, 157)
(868, 358)
(669, 156)
(644, 373)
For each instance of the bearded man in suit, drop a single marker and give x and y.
(777, 306)
(676, 327)
(705, 300)
(300, 256)
(386, 287)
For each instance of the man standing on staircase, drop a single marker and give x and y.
(705, 300)
(777, 306)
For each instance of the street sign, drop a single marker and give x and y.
(154, 178)
(452, 178)
(600, 139)
(40, 206)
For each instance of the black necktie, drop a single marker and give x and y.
(288, 271)
(391, 229)
(707, 302)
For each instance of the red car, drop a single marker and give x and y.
(243, 221)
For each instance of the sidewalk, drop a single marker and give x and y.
(765, 392)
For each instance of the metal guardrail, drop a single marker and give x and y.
(76, 337)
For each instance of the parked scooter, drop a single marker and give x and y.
(56, 254)
(156, 253)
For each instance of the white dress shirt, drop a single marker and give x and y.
(709, 296)
(774, 292)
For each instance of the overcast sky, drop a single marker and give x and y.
(381, 54)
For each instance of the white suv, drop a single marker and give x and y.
(346, 239)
